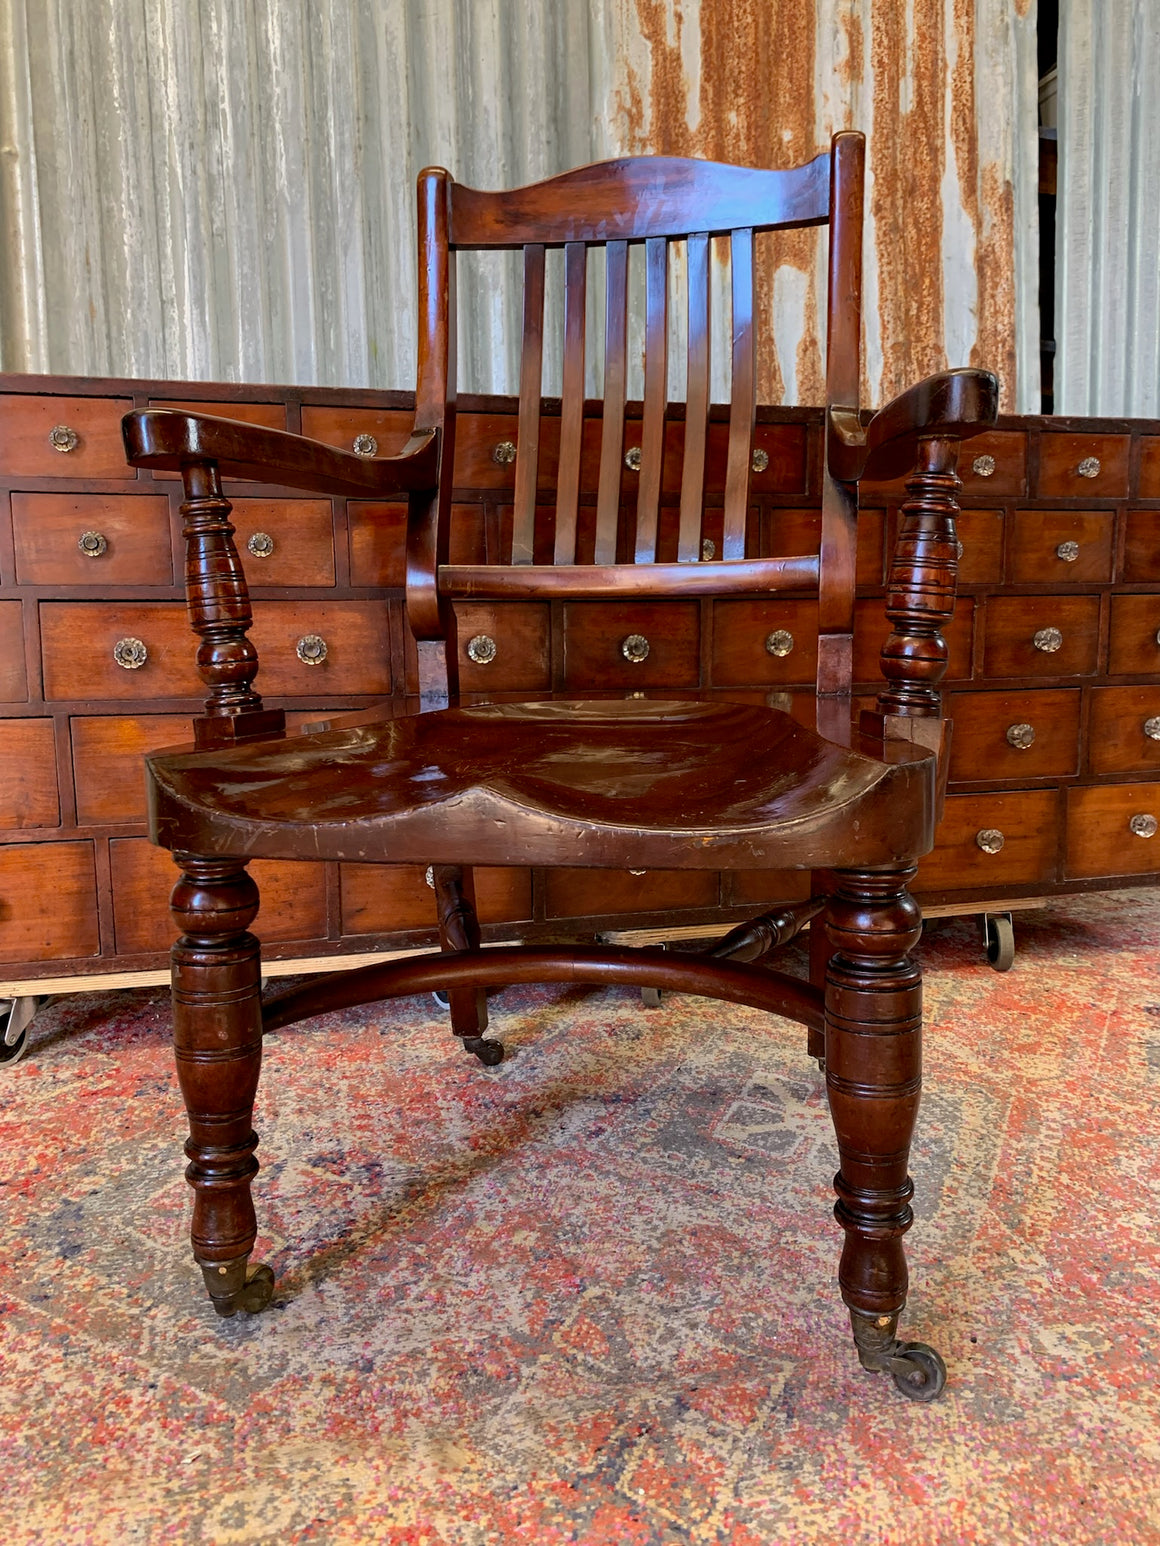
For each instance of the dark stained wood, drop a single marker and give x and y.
(1013, 622)
(520, 633)
(531, 380)
(1142, 546)
(612, 426)
(1061, 457)
(696, 426)
(1033, 555)
(1029, 822)
(1134, 636)
(983, 746)
(654, 580)
(595, 643)
(573, 893)
(572, 405)
(656, 380)
(378, 899)
(301, 531)
(1124, 730)
(743, 401)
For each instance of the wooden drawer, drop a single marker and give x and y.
(984, 745)
(13, 675)
(503, 647)
(127, 539)
(1029, 823)
(786, 533)
(1134, 642)
(378, 898)
(1124, 731)
(378, 543)
(1014, 621)
(994, 463)
(745, 638)
(285, 541)
(48, 902)
(78, 639)
(872, 629)
(357, 639)
(592, 893)
(981, 534)
(1149, 484)
(87, 430)
(1142, 546)
(595, 631)
(108, 770)
(388, 428)
(1060, 547)
(765, 886)
(483, 458)
(1083, 466)
(293, 897)
(268, 415)
(1100, 835)
(28, 787)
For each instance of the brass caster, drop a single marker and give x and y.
(487, 1051)
(821, 1062)
(918, 1371)
(233, 1287)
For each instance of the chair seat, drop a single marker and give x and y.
(606, 783)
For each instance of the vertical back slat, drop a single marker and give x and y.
(572, 404)
(656, 379)
(696, 402)
(531, 382)
(612, 431)
(743, 398)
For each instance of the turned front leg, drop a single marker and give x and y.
(873, 1080)
(217, 1036)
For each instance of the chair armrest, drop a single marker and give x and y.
(957, 404)
(170, 439)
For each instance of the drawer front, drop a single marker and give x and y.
(293, 905)
(1083, 466)
(765, 886)
(108, 770)
(388, 428)
(1124, 733)
(378, 542)
(357, 639)
(1149, 486)
(92, 539)
(981, 534)
(13, 675)
(48, 902)
(503, 647)
(1012, 736)
(872, 629)
(385, 899)
(597, 893)
(28, 789)
(764, 642)
(1134, 643)
(63, 437)
(1014, 623)
(1142, 546)
(267, 415)
(1113, 829)
(787, 533)
(1026, 821)
(78, 639)
(1060, 547)
(599, 638)
(486, 445)
(285, 541)
(994, 463)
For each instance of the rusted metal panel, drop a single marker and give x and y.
(199, 188)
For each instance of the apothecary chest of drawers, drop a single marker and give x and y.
(1054, 679)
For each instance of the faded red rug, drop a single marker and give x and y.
(590, 1295)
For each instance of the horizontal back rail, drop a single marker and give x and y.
(524, 581)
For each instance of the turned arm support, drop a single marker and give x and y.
(956, 404)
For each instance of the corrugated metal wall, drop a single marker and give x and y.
(1107, 306)
(223, 189)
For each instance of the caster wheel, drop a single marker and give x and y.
(442, 998)
(259, 1290)
(918, 1371)
(650, 998)
(1000, 932)
(16, 1015)
(488, 1052)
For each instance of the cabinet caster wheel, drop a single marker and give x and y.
(16, 1015)
(488, 1052)
(918, 1371)
(442, 998)
(650, 998)
(1000, 936)
(233, 1286)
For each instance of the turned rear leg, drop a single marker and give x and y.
(217, 1038)
(873, 1080)
(459, 930)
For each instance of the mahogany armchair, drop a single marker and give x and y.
(664, 781)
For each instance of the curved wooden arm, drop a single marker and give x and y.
(957, 404)
(170, 439)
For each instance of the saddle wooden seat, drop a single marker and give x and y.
(661, 781)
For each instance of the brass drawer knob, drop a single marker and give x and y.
(1089, 467)
(311, 649)
(1021, 736)
(481, 649)
(62, 438)
(1144, 825)
(959, 549)
(779, 642)
(635, 648)
(365, 445)
(983, 466)
(759, 461)
(990, 840)
(92, 544)
(632, 458)
(130, 654)
(1048, 640)
(638, 872)
(1068, 551)
(429, 876)
(708, 549)
(260, 544)
(504, 454)
(1152, 728)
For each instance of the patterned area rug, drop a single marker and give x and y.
(590, 1295)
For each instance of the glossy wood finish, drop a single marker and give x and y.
(29, 796)
(133, 546)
